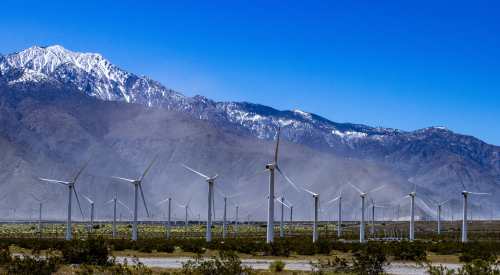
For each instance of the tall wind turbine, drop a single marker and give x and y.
(270, 207)
(281, 200)
(186, 209)
(224, 217)
(412, 213)
(210, 181)
(169, 223)
(339, 222)
(71, 190)
(465, 194)
(91, 202)
(316, 206)
(439, 208)
(362, 220)
(138, 187)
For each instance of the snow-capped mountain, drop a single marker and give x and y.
(43, 91)
(95, 76)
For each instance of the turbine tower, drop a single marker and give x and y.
(439, 209)
(91, 202)
(339, 222)
(412, 213)
(40, 206)
(138, 187)
(465, 194)
(186, 209)
(316, 206)
(71, 190)
(115, 200)
(169, 223)
(210, 181)
(362, 220)
(373, 206)
(281, 200)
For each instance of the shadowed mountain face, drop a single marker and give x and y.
(59, 108)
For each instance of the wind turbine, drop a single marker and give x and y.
(186, 209)
(169, 224)
(281, 200)
(236, 220)
(362, 220)
(40, 206)
(412, 213)
(339, 225)
(210, 181)
(316, 206)
(270, 210)
(373, 206)
(465, 194)
(115, 200)
(71, 190)
(439, 206)
(91, 212)
(224, 217)
(138, 186)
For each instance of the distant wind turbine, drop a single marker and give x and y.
(362, 220)
(91, 202)
(169, 222)
(465, 194)
(138, 186)
(71, 190)
(339, 220)
(210, 181)
(316, 206)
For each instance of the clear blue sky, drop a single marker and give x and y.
(383, 63)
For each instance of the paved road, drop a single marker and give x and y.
(297, 265)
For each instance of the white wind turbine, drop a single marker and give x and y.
(270, 210)
(224, 217)
(281, 200)
(115, 200)
(138, 187)
(439, 208)
(210, 181)
(91, 202)
(169, 222)
(362, 220)
(316, 206)
(71, 190)
(465, 194)
(339, 221)
(40, 206)
(373, 206)
(186, 209)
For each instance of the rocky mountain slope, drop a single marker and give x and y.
(45, 89)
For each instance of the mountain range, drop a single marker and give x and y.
(59, 107)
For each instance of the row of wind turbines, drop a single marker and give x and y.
(271, 168)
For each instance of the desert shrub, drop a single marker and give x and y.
(5, 256)
(445, 247)
(408, 251)
(323, 247)
(33, 265)
(279, 247)
(476, 267)
(331, 265)
(196, 246)
(478, 251)
(91, 251)
(227, 263)
(369, 260)
(277, 266)
(137, 268)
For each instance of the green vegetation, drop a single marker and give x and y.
(277, 266)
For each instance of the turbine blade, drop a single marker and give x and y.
(124, 179)
(480, 194)
(35, 197)
(276, 149)
(125, 206)
(110, 201)
(162, 201)
(310, 192)
(444, 202)
(88, 199)
(80, 172)
(235, 195)
(333, 200)
(148, 168)
(287, 178)
(196, 172)
(144, 200)
(355, 188)
(54, 181)
(286, 205)
(78, 202)
(376, 189)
